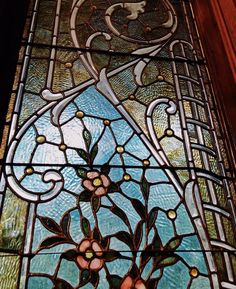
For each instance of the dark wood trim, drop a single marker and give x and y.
(216, 31)
(225, 12)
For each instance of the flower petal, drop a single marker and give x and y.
(92, 175)
(84, 245)
(83, 264)
(139, 285)
(127, 283)
(97, 249)
(100, 191)
(88, 185)
(96, 264)
(106, 182)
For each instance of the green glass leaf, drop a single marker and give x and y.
(70, 255)
(146, 254)
(52, 241)
(83, 154)
(105, 169)
(65, 223)
(173, 244)
(96, 234)
(114, 281)
(84, 277)
(87, 137)
(105, 242)
(113, 188)
(125, 238)
(168, 261)
(94, 152)
(152, 217)
(62, 284)
(157, 244)
(81, 173)
(85, 225)
(138, 234)
(96, 203)
(145, 187)
(94, 279)
(139, 207)
(134, 272)
(117, 211)
(152, 283)
(85, 196)
(50, 225)
(111, 255)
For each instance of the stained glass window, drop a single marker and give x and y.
(116, 173)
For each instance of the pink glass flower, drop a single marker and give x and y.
(92, 253)
(96, 183)
(130, 283)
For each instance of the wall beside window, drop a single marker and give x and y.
(217, 27)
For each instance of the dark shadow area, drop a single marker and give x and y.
(12, 19)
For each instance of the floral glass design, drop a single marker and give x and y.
(115, 165)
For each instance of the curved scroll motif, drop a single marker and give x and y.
(49, 176)
(88, 141)
(149, 46)
(171, 109)
(135, 10)
(33, 191)
(88, 46)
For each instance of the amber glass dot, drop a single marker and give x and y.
(120, 149)
(106, 122)
(127, 177)
(146, 162)
(29, 171)
(41, 139)
(148, 29)
(171, 214)
(169, 132)
(132, 97)
(79, 114)
(68, 65)
(194, 272)
(160, 77)
(62, 147)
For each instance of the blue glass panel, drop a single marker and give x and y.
(39, 282)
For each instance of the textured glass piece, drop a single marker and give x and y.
(39, 282)
(114, 174)
(12, 222)
(9, 265)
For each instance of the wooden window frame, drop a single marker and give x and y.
(216, 20)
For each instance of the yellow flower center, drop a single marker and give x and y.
(97, 182)
(89, 254)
